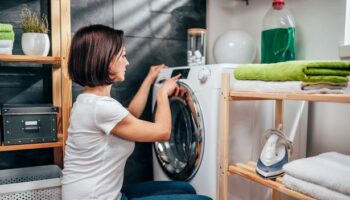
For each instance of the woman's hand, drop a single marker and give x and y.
(170, 86)
(134, 129)
(138, 103)
(154, 71)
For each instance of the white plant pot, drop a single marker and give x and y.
(35, 44)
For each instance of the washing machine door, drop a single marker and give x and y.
(181, 156)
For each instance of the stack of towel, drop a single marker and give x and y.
(293, 76)
(7, 37)
(326, 176)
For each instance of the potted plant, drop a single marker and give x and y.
(35, 40)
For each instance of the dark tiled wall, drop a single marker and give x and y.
(155, 33)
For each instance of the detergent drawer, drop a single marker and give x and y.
(27, 124)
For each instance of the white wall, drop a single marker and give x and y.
(320, 26)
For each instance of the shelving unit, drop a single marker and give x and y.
(32, 59)
(61, 84)
(32, 146)
(247, 170)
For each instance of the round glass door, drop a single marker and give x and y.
(181, 156)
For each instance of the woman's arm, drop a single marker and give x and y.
(131, 128)
(138, 103)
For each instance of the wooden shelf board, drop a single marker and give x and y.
(340, 98)
(30, 59)
(247, 170)
(59, 143)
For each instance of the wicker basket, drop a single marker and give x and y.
(31, 183)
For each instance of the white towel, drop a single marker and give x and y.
(313, 190)
(284, 87)
(330, 170)
(6, 43)
(6, 51)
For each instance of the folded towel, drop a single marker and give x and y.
(324, 91)
(330, 170)
(6, 51)
(287, 87)
(6, 43)
(335, 86)
(313, 190)
(6, 27)
(328, 72)
(7, 36)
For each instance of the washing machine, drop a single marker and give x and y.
(192, 152)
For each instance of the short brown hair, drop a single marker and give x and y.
(92, 50)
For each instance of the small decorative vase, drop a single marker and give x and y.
(35, 44)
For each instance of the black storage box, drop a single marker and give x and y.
(27, 124)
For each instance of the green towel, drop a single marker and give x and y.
(7, 36)
(6, 28)
(313, 72)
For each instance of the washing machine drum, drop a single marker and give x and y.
(181, 156)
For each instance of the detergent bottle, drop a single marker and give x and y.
(278, 35)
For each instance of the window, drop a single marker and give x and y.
(347, 24)
(344, 50)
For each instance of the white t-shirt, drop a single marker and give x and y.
(94, 158)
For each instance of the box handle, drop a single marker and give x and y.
(31, 125)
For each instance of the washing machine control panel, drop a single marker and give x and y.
(184, 73)
(203, 75)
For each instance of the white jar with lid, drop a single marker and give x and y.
(196, 45)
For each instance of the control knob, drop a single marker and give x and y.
(203, 75)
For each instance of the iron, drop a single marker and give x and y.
(277, 149)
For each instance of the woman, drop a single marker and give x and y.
(102, 132)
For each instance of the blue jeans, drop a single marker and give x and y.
(161, 190)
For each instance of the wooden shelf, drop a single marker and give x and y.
(60, 29)
(31, 59)
(338, 98)
(59, 143)
(247, 170)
